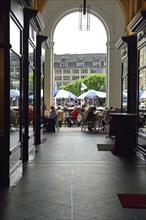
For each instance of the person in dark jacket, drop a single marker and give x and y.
(51, 120)
(91, 117)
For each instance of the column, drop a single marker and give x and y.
(113, 75)
(49, 80)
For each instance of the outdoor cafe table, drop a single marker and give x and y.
(124, 128)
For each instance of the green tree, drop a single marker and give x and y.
(96, 81)
(30, 82)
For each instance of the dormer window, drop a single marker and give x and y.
(64, 59)
(97, 59)
(81, 58)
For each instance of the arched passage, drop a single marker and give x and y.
(70, 39)
(111, 15)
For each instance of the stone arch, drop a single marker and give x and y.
(112, 17)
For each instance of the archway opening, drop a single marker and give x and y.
(69, 39)
(78, 54)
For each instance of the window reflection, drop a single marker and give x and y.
(142, 91)
(14, 98)
(124, 85)
(31, 89)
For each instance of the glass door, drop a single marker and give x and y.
(31, 97)
(142, 100)
(142, 89)
(15, 102)
(124, 91)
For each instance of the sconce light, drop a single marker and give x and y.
(84, 17)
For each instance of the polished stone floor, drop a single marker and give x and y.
(69, 179)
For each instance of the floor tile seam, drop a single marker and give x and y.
(68, 139)
(94, 163)
(83, 162)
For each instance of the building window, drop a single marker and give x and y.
(64, 64)
(103, 63)
(71, 64)
(58, 78)
(56, 65)
(65, 83)
(84, 71)
(97, 59)
(58, 71)
(96, 64)
(83, 76)
(97, 70)
(66, 77)
(81, 58)
(75, 77)
(88, 63)
(66, 71)
(75, 71)
(80, 64)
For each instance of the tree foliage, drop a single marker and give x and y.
(30, 79)
(96, 81)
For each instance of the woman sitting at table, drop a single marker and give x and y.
(60, 117)
(73, 119)
(91, 117)
(81, 116)
(13, 118)
(51, 120)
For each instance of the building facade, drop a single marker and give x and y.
(71, 67)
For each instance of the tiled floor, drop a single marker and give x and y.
(69, 179)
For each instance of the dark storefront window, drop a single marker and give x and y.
(31, 94)
(142, 90)
(15, 95)
(124, 97)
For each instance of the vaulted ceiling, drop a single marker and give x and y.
(130, 7)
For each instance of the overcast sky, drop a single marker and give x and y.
(68, 38)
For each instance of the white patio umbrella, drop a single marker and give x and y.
(92, 94)
(65, 94)
(143, 96)
(101, 94)
(14, 93)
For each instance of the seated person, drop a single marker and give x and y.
(50, 121)
(30, 114)
(80, 117)
(60, 117)
(91, 117)
(13, 118)
(87, 109)
(74, 115)
(105, 117)
(73, 119)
